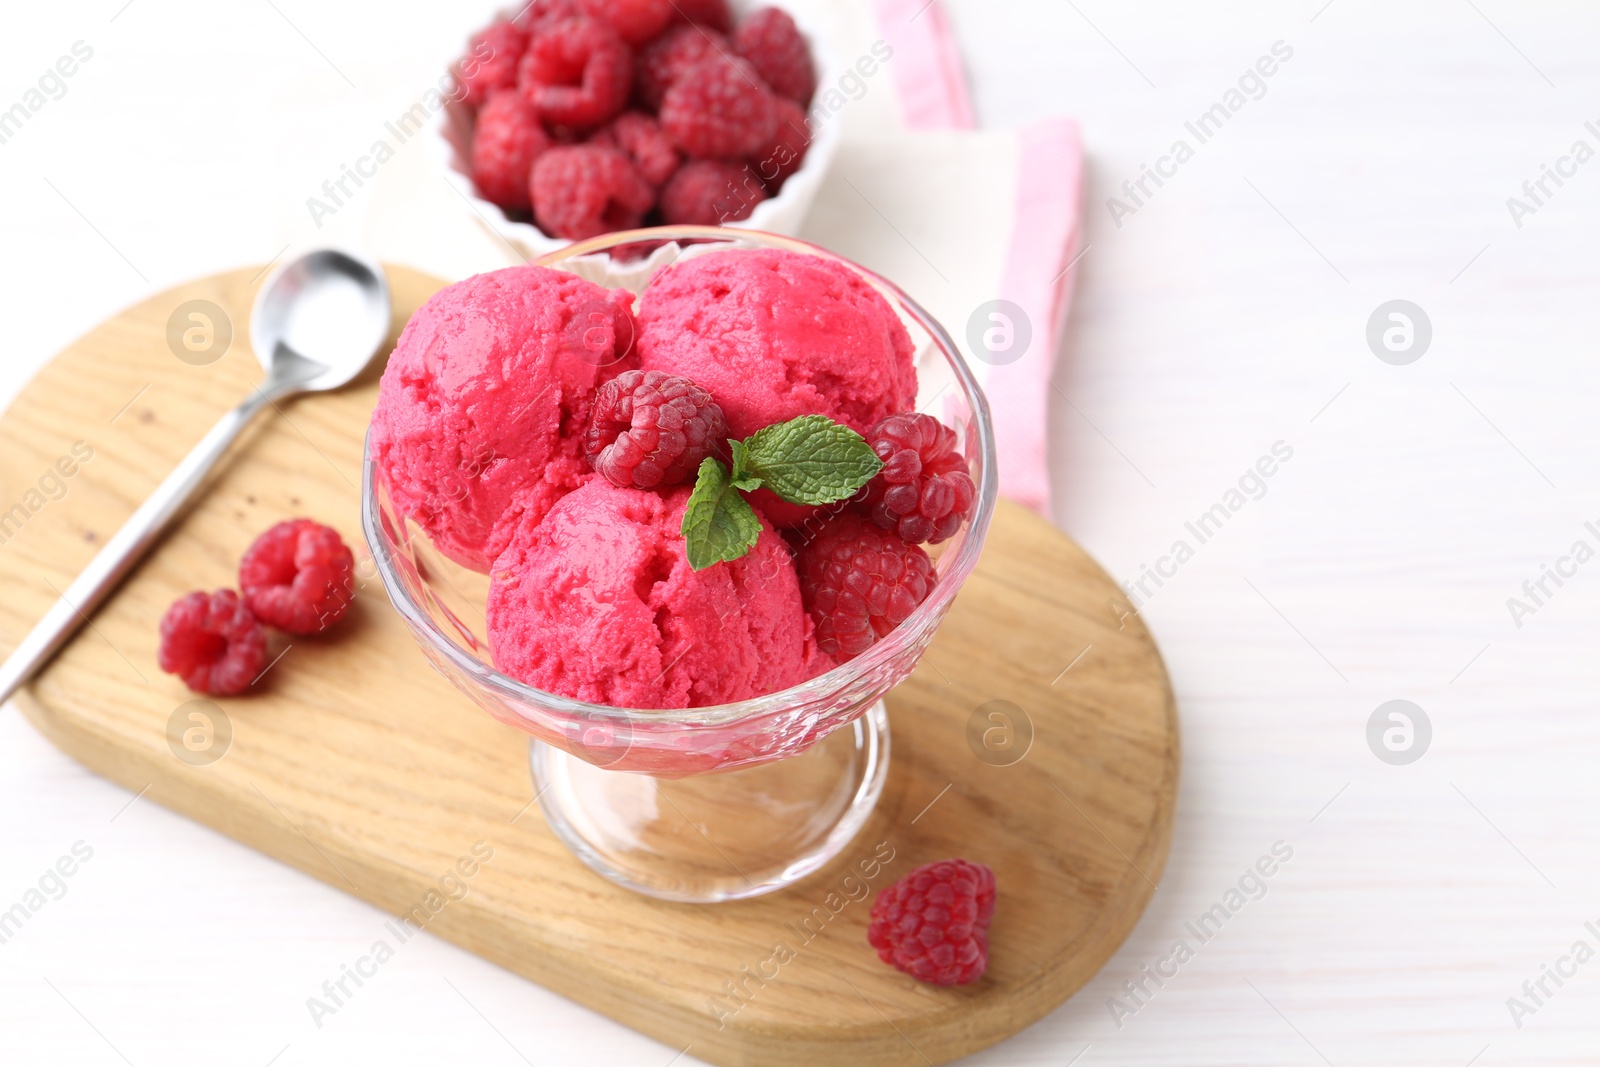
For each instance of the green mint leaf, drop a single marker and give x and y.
(718, 524)
(742, 478)
(809, 460)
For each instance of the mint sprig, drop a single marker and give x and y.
(808, 460)
(718, 524)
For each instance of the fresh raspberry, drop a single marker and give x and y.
(639, 137)
(933, 924)
(859, 583)
(786, 149)
(507, 141)
(636, 20)
(212, 642)
(584, 190)
(298, 577)
(710, 192)
(924, 492)
(719, 108)
(664, 60)
(771, 41)
(651, 429)
(577, 73)
(713, 14)
(540, 14)
(635, 250)
(491, 61)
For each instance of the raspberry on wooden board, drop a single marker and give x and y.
(933, 924)
(213, 642)
(298, 577)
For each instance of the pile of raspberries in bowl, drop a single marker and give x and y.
(578, 118)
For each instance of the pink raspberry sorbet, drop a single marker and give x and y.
(598, 603)
(482, 408)
(775, 335)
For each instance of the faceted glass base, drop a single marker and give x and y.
(722, 836)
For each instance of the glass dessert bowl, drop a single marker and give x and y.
(709, 803)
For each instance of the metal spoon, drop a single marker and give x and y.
(317, 323)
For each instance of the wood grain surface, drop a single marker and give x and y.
(356, 763)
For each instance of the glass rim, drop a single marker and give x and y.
(819, 688)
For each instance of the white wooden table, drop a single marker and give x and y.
(1228, 313)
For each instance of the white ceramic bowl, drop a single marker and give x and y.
(783, 214)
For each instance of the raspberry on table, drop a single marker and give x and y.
(507, 140)
(859, 582)
(719, 108)
(298, 577)
(637, 21)
(664, 60)
(771, 41)
(786, 150)
(651, 429)
(212, 642)
(639, 137)
(713, 14)
(710, 192)
(933, 924)
(581, 191)
(491, 61)
(577, 73)
(924, 491)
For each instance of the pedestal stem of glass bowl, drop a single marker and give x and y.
(721, 836)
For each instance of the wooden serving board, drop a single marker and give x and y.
(359, 765)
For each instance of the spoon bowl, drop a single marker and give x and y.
(330, 308)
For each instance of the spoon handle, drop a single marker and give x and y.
(126, 548)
